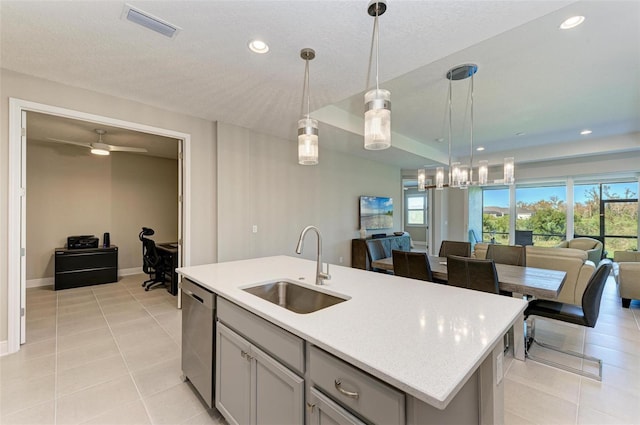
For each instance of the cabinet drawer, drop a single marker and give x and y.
(283, 345)
(365, 395)
(85, 260)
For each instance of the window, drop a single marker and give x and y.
(543, 210)
(416, 210)
(608, 212)
(495, 215)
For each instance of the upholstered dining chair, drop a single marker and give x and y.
(472, 273)
(586, 315)
(414, 265)
(375, 251)
(507, 254)
(462, 249)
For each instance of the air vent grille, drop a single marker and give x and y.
(149, 21)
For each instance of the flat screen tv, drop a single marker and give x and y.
(376, 212)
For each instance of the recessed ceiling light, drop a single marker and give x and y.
(572, 22)
(439, 140)
(480, 148)
(521, 133)
(258, 46)
(585, 132)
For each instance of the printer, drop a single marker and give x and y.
(82, 242)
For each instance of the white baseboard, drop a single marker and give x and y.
(36, 283)
(129, 272)
(4, 348)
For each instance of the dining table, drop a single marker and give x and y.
(520, 281)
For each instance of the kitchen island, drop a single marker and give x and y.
(440, 346)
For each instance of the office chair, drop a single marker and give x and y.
(587, 315)
(414, 265)
(152, 263)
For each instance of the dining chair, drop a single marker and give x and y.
(376, 251)
(414, 265)
(524, 237)
(507, 254)
(472, 273)
(463, 249)
(585, 315)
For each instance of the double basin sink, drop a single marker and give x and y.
(297, 298)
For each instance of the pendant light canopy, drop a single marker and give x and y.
(377, 102)
(307, 127)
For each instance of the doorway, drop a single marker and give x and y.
(17, 200)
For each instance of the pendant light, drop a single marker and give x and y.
(307, 127)
(422, 179)
(377, 102)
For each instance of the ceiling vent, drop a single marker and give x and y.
(149, 21)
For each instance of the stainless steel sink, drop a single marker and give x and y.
(294, 297)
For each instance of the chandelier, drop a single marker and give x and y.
(461, 174)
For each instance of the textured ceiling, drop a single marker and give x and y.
(533, 78)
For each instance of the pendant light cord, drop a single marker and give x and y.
(450, 169)
(306, 90)
(375, 42)
(471, 136)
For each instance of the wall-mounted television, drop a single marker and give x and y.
(376, 212)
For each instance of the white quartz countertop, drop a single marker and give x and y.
(425, 339)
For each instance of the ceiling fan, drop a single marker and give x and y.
(99, 147)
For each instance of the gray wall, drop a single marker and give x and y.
(72, 192)
(260, 183)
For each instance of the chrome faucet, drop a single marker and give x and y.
(320, 275)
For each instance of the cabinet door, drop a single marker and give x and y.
(323, 411)
(279, 392)
(233, 376)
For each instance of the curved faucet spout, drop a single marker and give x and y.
(320, 275)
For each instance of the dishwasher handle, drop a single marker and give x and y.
(194, 296)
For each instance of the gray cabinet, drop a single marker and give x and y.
(252, 387)
(366, 396)
(323, 411)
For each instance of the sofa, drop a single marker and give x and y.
(593, 247)
(626, 269)
(573, 261)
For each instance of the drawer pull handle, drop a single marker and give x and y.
(352, 394)
(246, 355)
(311, 407)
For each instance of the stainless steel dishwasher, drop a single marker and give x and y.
(198, 338)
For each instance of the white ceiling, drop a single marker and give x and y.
(532, 77)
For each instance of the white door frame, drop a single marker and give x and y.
(16, 284)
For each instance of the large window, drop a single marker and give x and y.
(609, 212)
(416, 210)
(543, 210)
(495, 215)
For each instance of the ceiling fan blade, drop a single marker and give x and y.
(113, 148)
(69, 142)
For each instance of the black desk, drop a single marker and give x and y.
(84, 267)
(169, 254)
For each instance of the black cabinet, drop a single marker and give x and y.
(84, 267)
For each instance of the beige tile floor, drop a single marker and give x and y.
(110, 354)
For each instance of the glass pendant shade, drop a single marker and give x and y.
(377, 119)
(455, 174)
(307, 141)
(439, 178)
(509, 171)
(463, 176)
(483, 172)
(421, 179)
